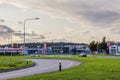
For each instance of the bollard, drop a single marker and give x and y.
(60, 67)
(27, 62)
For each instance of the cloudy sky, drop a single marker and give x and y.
(60, 20)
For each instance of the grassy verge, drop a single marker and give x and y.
(10, 63)
(91, 69)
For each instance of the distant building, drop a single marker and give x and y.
(115, 49)
(56, 48)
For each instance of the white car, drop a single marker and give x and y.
(83, 55)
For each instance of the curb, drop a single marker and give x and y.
(2, 71)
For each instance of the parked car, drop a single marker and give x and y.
(83, 55)
(34, 55)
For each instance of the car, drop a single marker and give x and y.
(37, 55)
(83, 55)
(32, 55)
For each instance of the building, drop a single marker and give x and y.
(55, 49)
(115, 49)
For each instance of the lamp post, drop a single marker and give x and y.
(25, 25)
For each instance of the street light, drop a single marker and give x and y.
(25, 25)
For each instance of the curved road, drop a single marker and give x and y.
(42, 66)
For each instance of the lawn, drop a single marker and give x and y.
(11, 63)
(90, 69)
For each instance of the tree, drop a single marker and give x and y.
(112, 43)
(101, 45)
(104, 44)
(93, 46)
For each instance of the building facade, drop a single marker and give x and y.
(55, 49)
(115, 49)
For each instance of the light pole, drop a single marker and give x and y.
(24, 27)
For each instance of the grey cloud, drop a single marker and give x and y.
(60, 40)
(96, 12)
(5, 31)
(2, 20)
(85, 32)
(18, 34)
(42, 36)
(105, 17)
(30, 35)
(114, 30)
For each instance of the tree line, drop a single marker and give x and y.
(101, 47)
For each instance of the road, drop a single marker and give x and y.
(42, 66)
(107, 56)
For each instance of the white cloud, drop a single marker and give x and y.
(80, 11)
(92, 16)
(67, 30)
(1, 2)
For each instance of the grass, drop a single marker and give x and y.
(10, 63)
(91, 69)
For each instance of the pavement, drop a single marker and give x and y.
(42, 66)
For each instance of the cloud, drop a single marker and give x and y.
(32, 35)
(102, 17)
(2, 20)
(85, 32)
(67, 30)
(60, 39)
(80, 11)
(5, 31)
(92, 16)
(113, 30)
(1, 2)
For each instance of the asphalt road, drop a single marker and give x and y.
(42, 66)
(107, 56)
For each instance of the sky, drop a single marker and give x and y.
(60, 20)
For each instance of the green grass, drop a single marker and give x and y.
(90, 69)
(10, 63)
